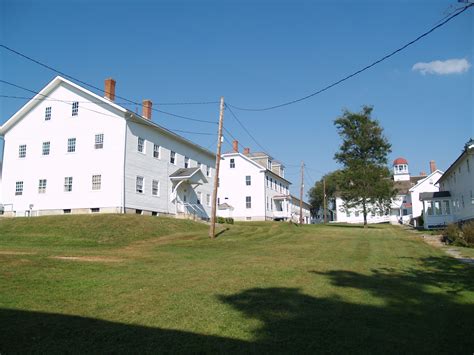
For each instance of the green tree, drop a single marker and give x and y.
(316, 193)
(364, 181)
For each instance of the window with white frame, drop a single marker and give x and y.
(156, 151)
(68, 184)
(46, 148)
(437, 208)
(357, 213)
(19, 188)
(47, 113)
(99, 141)
(429, 209)
(232, 163)
(173, 157)
(248, 201)
(199, 198)
(269, 166)
(155, 188)
(208, 171)
(141, 145)
(348, 213)
(271, 183)
(42, 186)
(22, 151)
(139, 184)
(186, 162)
(248, 180)
(96, 182)
(208, 200)
(75, 108)
(71, 145)
(268, 181)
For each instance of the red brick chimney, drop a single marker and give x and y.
(246, 151)
(432, 166)
(109, 91)
(146, 109)
(235, 146)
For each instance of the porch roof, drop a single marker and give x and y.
(281, 197)
(433, 195)
(193, 175)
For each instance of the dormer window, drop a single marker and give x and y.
(269, 164)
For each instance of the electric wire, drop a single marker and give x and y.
(360, 70)
(99, 89)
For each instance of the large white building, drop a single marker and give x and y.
(69, 150)
(253, 187)
(405, 207)
(455, 200)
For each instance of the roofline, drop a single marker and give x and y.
(44, 92)
(451, 167)
(58, 80)
(187, 176)
(425, 178)
(296, 198)
(150, 123)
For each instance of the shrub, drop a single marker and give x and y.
(468, 233)
(220, 220)
(451, 233)
(229, 220)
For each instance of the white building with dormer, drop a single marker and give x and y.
(253, 187)
(70, 151)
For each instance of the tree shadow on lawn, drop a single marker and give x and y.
(354, 225)
(412, 316)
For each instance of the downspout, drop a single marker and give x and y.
(124, 164)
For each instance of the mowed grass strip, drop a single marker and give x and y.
(259, 287)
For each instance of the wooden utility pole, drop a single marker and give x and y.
(324, 203)
(212, 230)
(301, 192)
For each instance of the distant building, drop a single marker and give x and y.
(69, 150)
(455, 200)
(253, 187)
(405, 207)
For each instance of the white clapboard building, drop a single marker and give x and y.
(454, 202)
(253, 187)
(69, 150)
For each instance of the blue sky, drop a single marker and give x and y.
(260, 53)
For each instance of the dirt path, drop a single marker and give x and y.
(435, 240)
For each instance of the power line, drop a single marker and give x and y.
(358, 71)
(49, 98)
(99, 89)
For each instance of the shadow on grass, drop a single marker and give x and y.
(421, 310)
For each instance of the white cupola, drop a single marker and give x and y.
(400, 170)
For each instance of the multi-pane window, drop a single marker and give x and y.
(75, 108)
(141, 145)
(155, 188)
(269, 164)
(348, 213)
(47, 113)
(42, 186)
(208, 200)
(46, 148)
(139, 184)
(248, 180)
(172, 157)
(68, 184)
(99, 141)
(437, 208)
(19, 188)
(208, 171)
(232, 163)
(271, 183)
(357, 213)
(22, 151)
(156, 151)
(447, 209)
(430, 208)
(248, 201)
(96, 182)
(268, 181)
(71, 145)
(199, 198)
(186, 162)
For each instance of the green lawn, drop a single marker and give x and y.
(146, 284)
